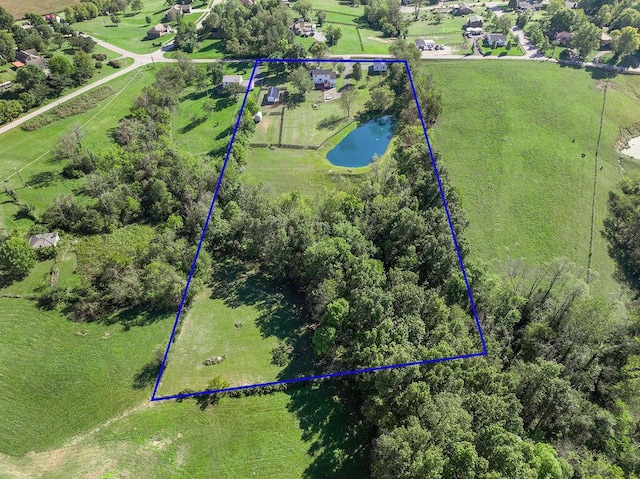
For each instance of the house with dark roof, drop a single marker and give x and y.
(44, 240)
(475, 21)
(304, 29)
(496, 39)
(29, 57)
(423, 44)
(461, 9)
(273, 95)
(323, 78)
(158, 31)
(177, 9)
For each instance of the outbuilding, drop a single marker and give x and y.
(258, 117)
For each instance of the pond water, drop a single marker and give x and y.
(358, 147)
(634, 148)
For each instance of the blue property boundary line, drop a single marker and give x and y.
(206, 225)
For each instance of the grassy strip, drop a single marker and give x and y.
(73, 107)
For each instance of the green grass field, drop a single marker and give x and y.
(131, 33)
(517, 164)
(447, 32)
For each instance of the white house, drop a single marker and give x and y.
(323, 78)
(379, 66)
(273, 94)
(237, 79)
(44, 240)
(496, 39)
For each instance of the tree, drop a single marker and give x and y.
(82, 68)
(347, 96)
(7, 47)
(137, 5)
(318, 49)
(625, 41)
(147, 19)
(186, 37)
(504, 24)
(30, 76)
(513, 4)
(301, 80)
(586, 39)
(6, 19)
(16, 258)
(80, 42)
(356, 71)
(333, 34)
(9, 110)
(340, 68)
(215, 72)
(381, 99)
(303, 7)
(115, 19)
(208, 106)
(321, 17)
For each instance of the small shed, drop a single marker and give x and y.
(258, 117)
(273, 94)
(44, 240)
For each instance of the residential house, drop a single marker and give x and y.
(304, 29)
(564, 38)
(475, 21)
(529, 5)
(496, 39)
(273, 95)
(158, 31)
(29, 57)
(44, 240)
(461, 9)
(246, 3)
(423, 44)
(177, 10)
(4, 86)
(52, 17)
(323, 78)
(379, 66)
(236, 79)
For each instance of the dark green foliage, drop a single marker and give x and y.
(16, 258)
(186, 37)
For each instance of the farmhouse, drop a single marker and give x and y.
(44, 240)
(323, 78)
(379, 66)
(29, 57)
(158, 31)
(52, 17)
(475, 21)
(236, 79)
(496, 39)
(304, 29)
(273, 94)
(181, 9)
(423, 44)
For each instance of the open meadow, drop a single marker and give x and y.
(524, 168)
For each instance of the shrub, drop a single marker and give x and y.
(100, 57)
(98, 65)
(114, 63)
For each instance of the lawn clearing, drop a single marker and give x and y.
(518, 164)
(64, 377)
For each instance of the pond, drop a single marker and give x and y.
(358, 147)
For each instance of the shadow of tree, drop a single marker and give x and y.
(330, 122)
(43, 179)
(333, 426)
(193, 124)
(149, 372)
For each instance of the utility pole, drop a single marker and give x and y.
(20, 176)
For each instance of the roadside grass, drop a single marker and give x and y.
(131, 33)
(18, 8)
(349, 42)
(65, 378)
(518, 165)
(514, 51)
(209, 48)
(30, 151)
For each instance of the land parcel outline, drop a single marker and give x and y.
(239, 323)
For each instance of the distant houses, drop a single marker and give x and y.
(461, 9)
(303, 29)
(53, 18)
(379, 66)
(177, 10)
(158, 31)
(475, 21)
(44, 240)
(496, 39)
(530, 5)
(323, 79)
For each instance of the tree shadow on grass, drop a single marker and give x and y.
(193, 124)
(132, 318)
(148, 374)
(332, 424)
(43, 179)
(330, 122)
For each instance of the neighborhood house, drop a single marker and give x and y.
(180, 9)
(273, 94)
(158, 31)
(423, 44)
(475, 21)
(323, 78)
(461, 9)
(44, 240)
(29, 57)
(304, 29)
(496, 40)
(237, 80)
(379, 67)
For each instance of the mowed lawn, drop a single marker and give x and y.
(131, 32)
(30, 151)
(61, 378)
(518, 140)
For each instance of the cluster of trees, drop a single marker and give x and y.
(88, 9)
(259, 30)
(384, 15)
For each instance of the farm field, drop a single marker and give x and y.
(518, 165)
(17, 8)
